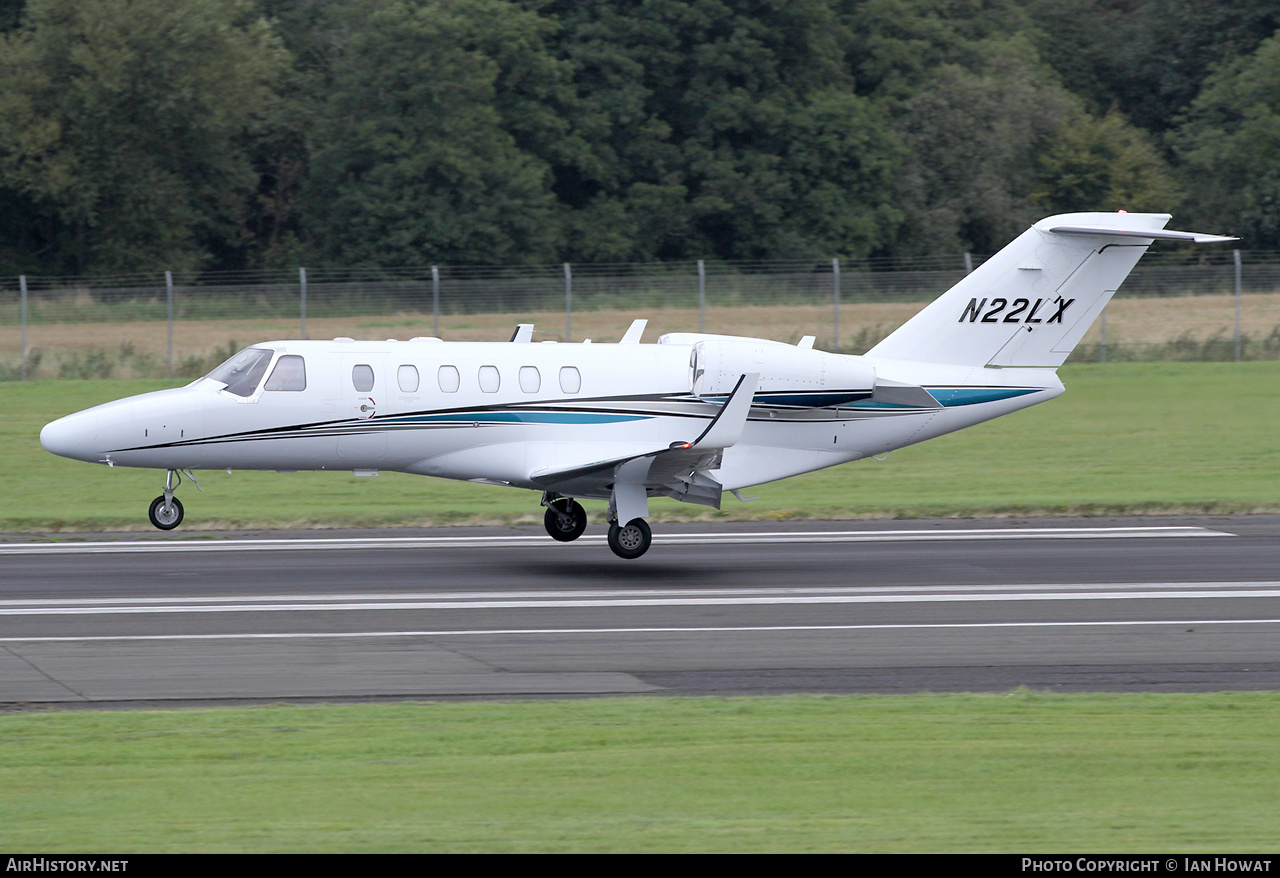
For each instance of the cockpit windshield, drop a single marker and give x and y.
(242, 373)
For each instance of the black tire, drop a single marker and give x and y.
(165, 520)
(631, 540)
(565, 520)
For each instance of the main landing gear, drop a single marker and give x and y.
(566, 520)
(630, 540)
(166, 510)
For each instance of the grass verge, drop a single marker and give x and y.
(1126, 438)
(1016, 772)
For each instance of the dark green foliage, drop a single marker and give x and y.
(1230, 142)
(415, 156)
(10, 14)
(1103, 164)
(122, 124)
(973, 137)
(146, 134)
(721, 130)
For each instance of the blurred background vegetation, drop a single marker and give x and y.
(246, 134)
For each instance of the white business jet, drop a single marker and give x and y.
(690, 417)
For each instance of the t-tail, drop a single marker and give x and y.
(1030, 304)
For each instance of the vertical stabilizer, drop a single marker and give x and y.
(1031, 303)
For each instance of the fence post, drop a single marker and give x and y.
(302, 281)
(1102, 349)
(835, 269)
(568, 303)
(168, 287)
(1236, 254)
(435, 301)
(968, 262)
(22, 283)
(702, 297)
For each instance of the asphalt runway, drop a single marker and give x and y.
(1148, 604)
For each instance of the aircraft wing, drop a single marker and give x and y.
(679, 470)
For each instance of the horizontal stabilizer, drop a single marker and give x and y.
(1149, 234)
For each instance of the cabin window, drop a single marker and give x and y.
(242, 372)
(407, 376)
(490, 381)
(530, 379)
(448, 378)
(290, 373)
(362, 378)
(570, 379)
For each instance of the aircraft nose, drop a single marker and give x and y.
(73, 436)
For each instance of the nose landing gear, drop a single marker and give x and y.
(166, 510)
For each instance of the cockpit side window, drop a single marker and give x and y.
(242, 372)
(290, 373)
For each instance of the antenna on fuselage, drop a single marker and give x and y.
(633, 333)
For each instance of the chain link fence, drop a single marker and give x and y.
(1223, 306)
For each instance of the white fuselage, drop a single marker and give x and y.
(502, 412)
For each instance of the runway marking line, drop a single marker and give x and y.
(575, 600)
(520, 541)
(646, 593)
(508, 632)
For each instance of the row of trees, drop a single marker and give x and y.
(219, 134)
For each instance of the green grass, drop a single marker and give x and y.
(1016, 772)
(1126, 438)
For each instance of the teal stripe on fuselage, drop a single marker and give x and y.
(517, 418)
(953, 396)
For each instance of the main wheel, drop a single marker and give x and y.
(165, 518)
(565, 520)
(631, 540)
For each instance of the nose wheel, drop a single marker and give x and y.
(165, 514)
(166, 510)
(630, 540)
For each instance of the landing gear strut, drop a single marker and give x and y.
(166, 510)
(630, 540)
(565, 519)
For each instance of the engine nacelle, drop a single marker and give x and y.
(789, 375)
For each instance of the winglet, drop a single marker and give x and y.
(633, 333)
(523, 333)
(726, 427)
